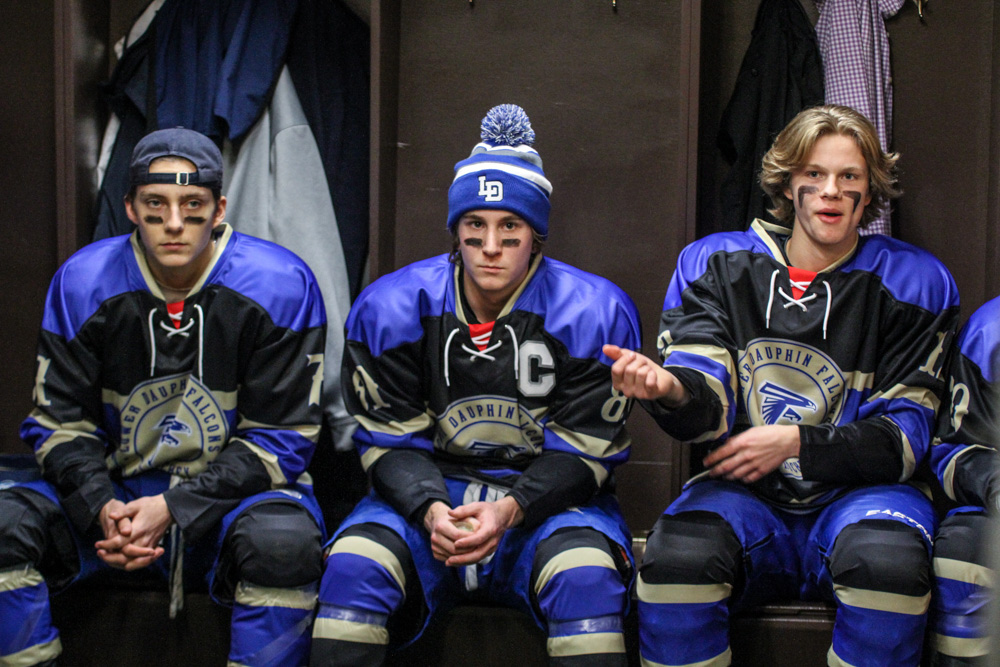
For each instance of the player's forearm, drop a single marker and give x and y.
(699, 412)
(552, 483)
(977, 477)
(80, 475)
(200, 502)
(409, 480)
(869, 451)
(510, 512)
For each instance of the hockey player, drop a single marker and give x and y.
(489, 428)
(803, 363)
(964, 456)
(176, 409)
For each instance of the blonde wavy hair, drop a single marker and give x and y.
(793, 145)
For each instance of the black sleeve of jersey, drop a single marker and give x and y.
(81, 477)
(409, 481)
(699, 415)
(550, 484)
(199, 503)
(862, 452)
(977, 478)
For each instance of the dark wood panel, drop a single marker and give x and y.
(992, 282)
(384, 120)
(942, 69)
(28, 255)
(603, 99)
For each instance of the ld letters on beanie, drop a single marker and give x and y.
(490, 190)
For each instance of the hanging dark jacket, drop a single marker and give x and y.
(781, 74)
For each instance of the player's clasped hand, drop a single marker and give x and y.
(491, 520)
(469, 533)
(132, 532)
(443, 531)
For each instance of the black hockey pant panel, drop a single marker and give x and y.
(388, 538)
(33, 530)
(336, 653)
(965, 538)
(881, 555)
(573, 538)
(275, 544)
(592, 660)
(692, 548)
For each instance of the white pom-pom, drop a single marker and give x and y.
(507, 125)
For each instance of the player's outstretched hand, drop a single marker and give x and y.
(637, 376)
(489, 520)
(755, 452)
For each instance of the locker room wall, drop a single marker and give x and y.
(625, 103)
(28, 254)
(53, 54)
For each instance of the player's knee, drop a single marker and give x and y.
(277, 545)
(964, 537)
(881, 555)
(369, 567)
(25, 527)
(577, 573)
(697, 548)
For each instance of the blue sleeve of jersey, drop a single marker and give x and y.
(895, 418)
(381, 381)
(695, 344)
(280, 398)
(963, 456)
(587, 416)
(64, 428)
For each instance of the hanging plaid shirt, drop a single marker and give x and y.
(855, 49)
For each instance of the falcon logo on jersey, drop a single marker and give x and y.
(784, 382)
(490, 190)
(489, 426)
(779, 403)
(171, 423)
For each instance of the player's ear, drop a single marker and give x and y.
(130, 211)
(220, 212)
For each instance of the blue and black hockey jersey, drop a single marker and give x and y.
(228, 399)
(540, 392)
(855, 361)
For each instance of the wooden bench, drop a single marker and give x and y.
(129, 626)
